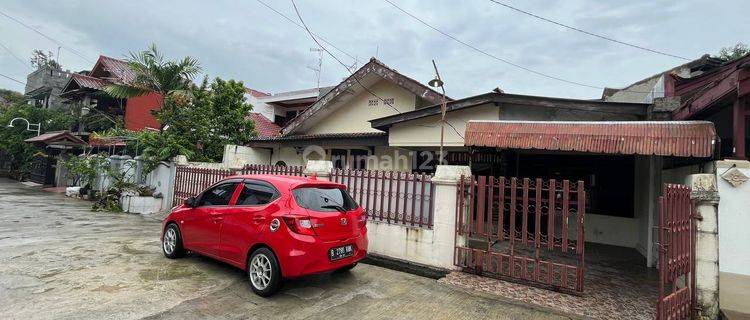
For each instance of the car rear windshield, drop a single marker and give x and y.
(323, 199)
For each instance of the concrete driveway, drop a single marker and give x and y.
(60, 260)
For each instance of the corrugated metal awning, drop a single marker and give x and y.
(663, 138)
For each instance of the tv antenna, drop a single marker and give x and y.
(319, 67)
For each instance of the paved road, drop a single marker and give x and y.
(60, 260)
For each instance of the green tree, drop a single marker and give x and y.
(217, 115)
(40, 60)
(12, 139)
(730, 53)
(10, 97)
(153, 74)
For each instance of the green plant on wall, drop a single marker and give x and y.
(83, 169)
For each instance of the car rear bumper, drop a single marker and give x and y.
(310, 256)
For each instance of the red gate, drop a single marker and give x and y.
(525, 230)
(676, 254)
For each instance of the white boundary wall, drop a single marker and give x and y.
(431, 247)
(734, 238)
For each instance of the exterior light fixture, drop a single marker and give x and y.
(37, 127)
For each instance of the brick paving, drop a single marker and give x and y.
(614, 289)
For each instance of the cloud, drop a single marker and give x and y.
(246, 41)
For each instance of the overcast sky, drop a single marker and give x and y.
(246, 41)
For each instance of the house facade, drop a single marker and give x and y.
(44, 85)
(336, 126)
(86, 90)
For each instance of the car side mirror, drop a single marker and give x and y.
(191, 202)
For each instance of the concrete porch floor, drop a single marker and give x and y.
(617, 285)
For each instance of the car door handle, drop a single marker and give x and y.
(259, 218)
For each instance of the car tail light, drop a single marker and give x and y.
(299, 225)
(362, 220)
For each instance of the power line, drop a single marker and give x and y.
(76, 52)
(508, 62)
(9, 78)
(15, 56)
(489, 54)
(352, 73)
(303, 27)
(338, 60)
(587, 32)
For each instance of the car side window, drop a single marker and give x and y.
(219, 195)
(256, 193)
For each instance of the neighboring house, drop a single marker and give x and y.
(87, 89)
(656, 86)
(717, 91)
(44, 85)
(264, 127)
(281, 107)
(336, 126)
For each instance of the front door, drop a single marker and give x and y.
(245, 223)
(201, 226)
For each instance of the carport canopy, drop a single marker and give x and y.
(661, 138)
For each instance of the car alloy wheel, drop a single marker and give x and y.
(260, 271)
(170, 241)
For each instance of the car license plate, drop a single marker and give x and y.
(341, 252)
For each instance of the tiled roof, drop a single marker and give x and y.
(324, 136)
(264, 127)
(256, 93)
(661, 138)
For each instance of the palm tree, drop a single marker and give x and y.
(152, 74)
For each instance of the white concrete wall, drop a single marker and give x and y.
(162, 179)
(428, 247)
(404, 243)
(616, 231)
(425, 132)
(734, 238)
(238, 156)
(432, 247)
(384, 158)
(354, 114)
(734, 220)
(263, 108)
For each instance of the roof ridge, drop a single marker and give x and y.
(364, 70)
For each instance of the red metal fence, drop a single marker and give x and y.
(676, 254)
(527, 230)
(269, 169)
(189, 181)
(389, 196)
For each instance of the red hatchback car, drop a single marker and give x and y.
(273, 227)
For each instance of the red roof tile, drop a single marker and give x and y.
(264, 127)
(662, 138)
(256, 93)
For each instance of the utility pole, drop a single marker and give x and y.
(437, 82)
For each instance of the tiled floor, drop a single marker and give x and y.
(617, 286)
